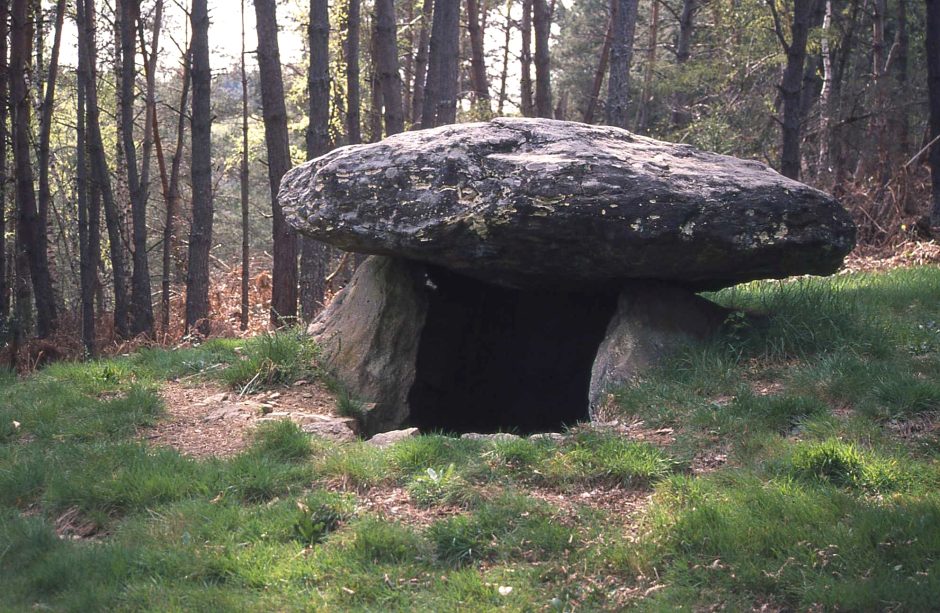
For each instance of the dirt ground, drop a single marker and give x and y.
(205, 419)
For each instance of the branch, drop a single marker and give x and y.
(778, 27)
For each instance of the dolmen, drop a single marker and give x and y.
(521, 269)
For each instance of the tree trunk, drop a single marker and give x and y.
(243, 177)
(4, 109)
(284, 282)
(386, 65)
(86, 258)
(791, 85)
(481, 86)
(504, 74)
(440, 90)
(101, 175)
(45, 132)
(543, 81)
(643, 107)
(826, 109)
(29, 226)
(900, 118)
(599, 73)
(932, 45)
(525, 59)
(353, 130)
(680, 112)
(141, 312)
(172, 195)
(143, 295)
(314, 256)
(623, 31)
(421, 63)
(200, 236)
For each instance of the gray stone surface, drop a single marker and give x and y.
(369, 336)
(543, 203)
(384, 439)
(651, 321)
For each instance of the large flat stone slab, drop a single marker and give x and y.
(538, 203)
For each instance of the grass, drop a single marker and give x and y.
(822, 494)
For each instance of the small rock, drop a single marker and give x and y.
(383, 439)
(497, 436)
(554, 437)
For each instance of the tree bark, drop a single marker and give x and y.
(680, 112)
(542, 19)
(243, 179)
(791, 85)
(900, 119)
(141, 307)
(86, 258)
(624, 16)
(525, 59)
(932, 45)
(314, 256)
(643, 107)
(504, 74)
(4, 109)
(353, 97)
(45, 132)
(101, 176)
(386, 65)
(421, 63)
(440, 90)
(200, 236)
(284, 281)
(172, 195)
(29, 224)
(599, 73)
(481, 86)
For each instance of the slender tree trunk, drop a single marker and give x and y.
(200, 236)
(101, 175)
(932, 45)
(375, 97)
(284, 283)
(791, 85)
(826, 109)
(409, 61)
(314, 256)
(86, 258)
(243, 178)
(29, 227)
(144, 307)
(141, 306)
(440, 90)
(643, 107)
(680, 112)
(525, 59)
(421, 63)
(874, 153)
(504, 74)
(901, 118)
(45, 133)
(481, 87)
(621, 53)
(386, 65)
(543, 83)
(353, 129)
(4, 109)
(172, 195)
(599, 73)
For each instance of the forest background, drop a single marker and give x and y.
(141, 141)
